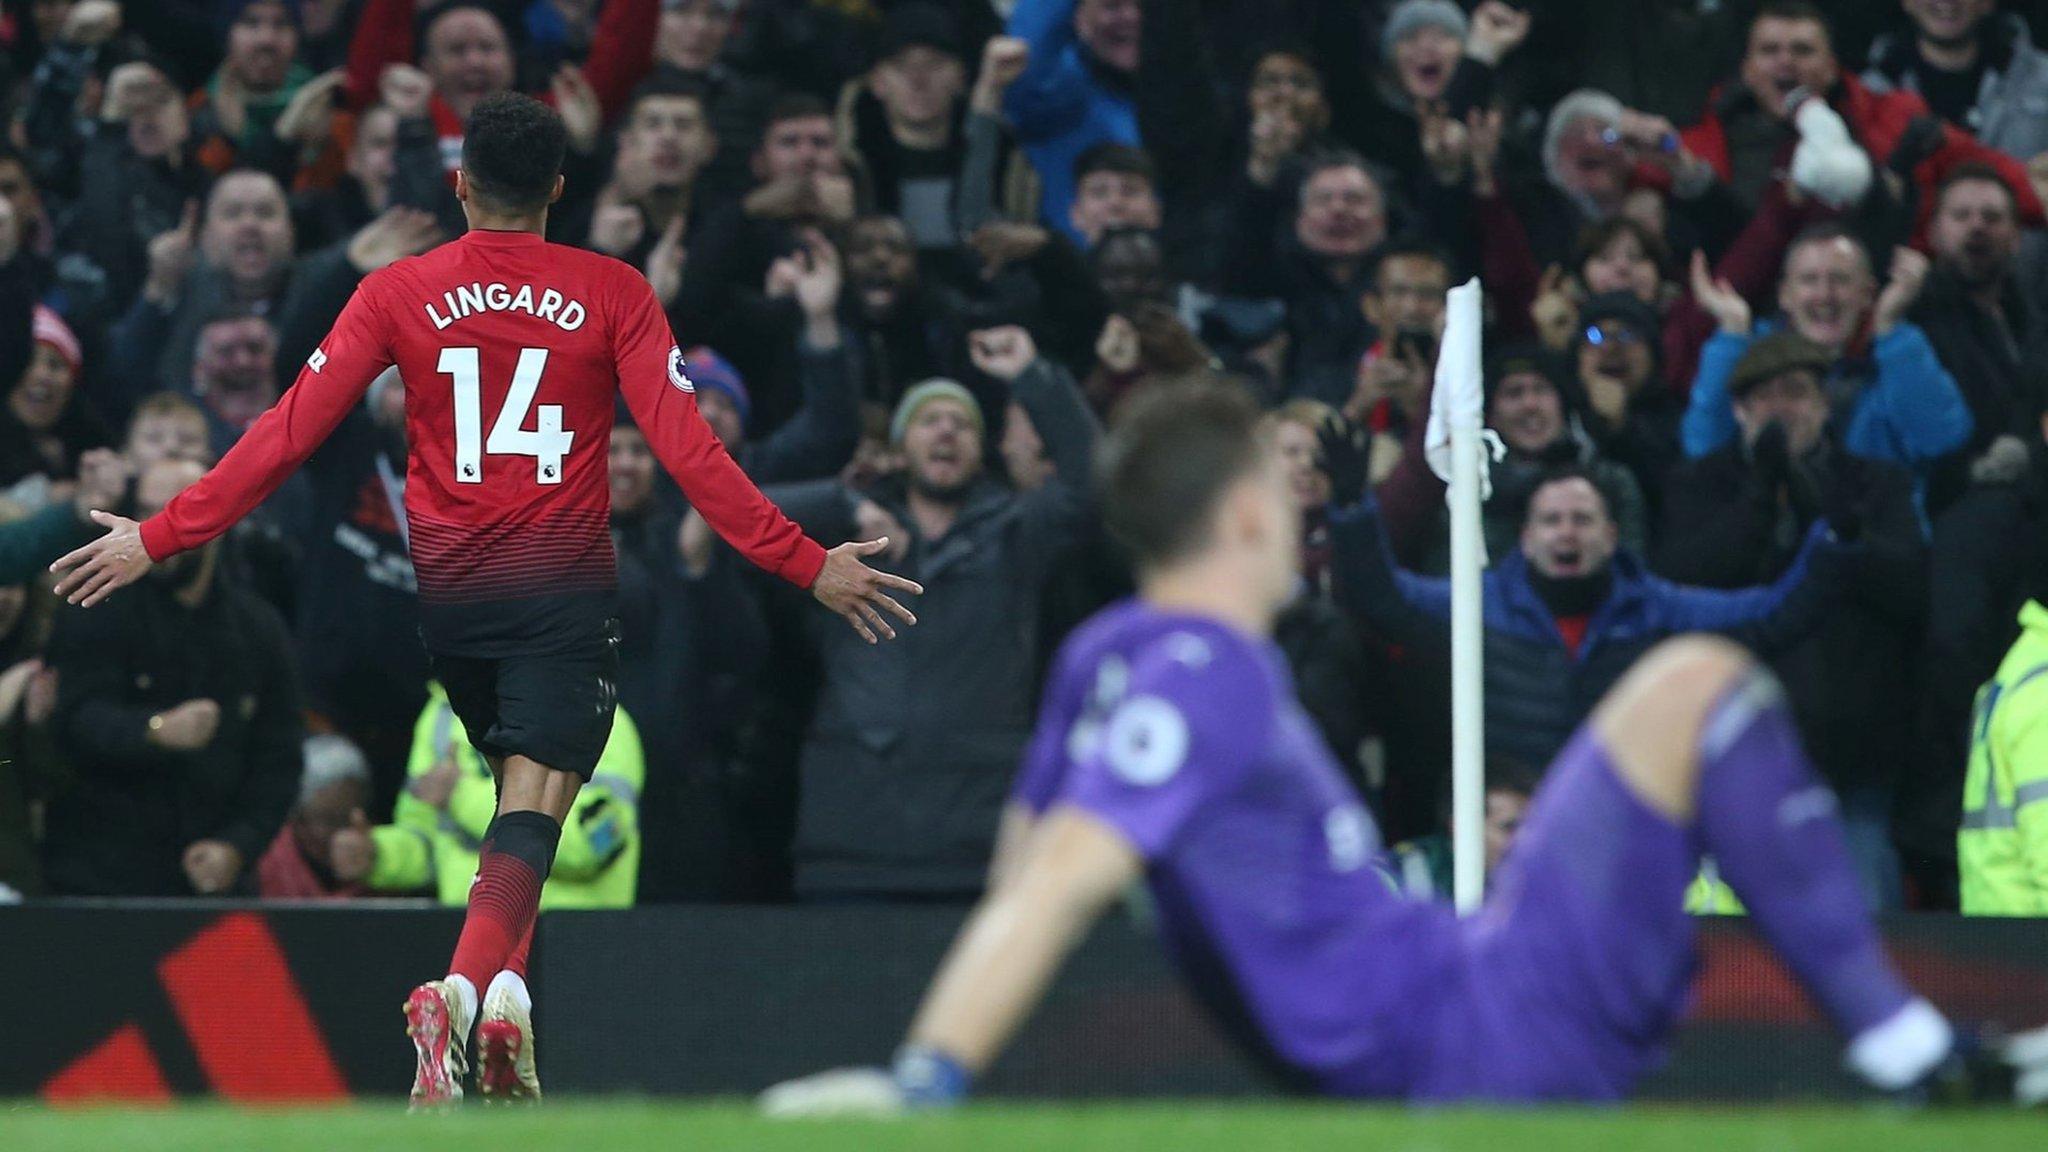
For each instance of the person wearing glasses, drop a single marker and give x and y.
(1626, 412)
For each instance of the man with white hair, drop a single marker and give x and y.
(333, 789)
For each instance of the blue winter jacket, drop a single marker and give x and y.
(1060, 106)
(1906, 409)
(1537, 689)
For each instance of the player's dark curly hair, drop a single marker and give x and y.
(1173, 452)
(512, 151)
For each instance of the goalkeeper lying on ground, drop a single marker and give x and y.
(1170, 747)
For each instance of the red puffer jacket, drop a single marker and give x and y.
(1879, 121)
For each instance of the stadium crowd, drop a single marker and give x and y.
(1765, 353)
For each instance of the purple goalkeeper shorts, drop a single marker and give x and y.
(1575, 972)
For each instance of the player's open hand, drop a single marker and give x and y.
(90, 574)
(849, 587)
(841, 1092)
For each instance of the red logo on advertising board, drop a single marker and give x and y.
(244, 1015)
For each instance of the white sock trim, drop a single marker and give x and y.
(466, 992)
(1904, 1048)
(515, 985)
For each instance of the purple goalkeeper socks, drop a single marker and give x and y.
(1772, 828)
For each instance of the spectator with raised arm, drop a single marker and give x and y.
(1287, 112)
(240, 255)
(1750, 130)
(235, 116)
(1541, 424)
(362, 191)
(911, 749)
(1895, 400)
(1313, 254)
(1075, 90)
(1434, 60)
(1628, 415)
(1568, 611)
(801, 182)
(465, 54)
(652, 210)
(820, 437)
(909, 124)
(133, 182)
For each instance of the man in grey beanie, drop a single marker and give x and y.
(1428, 55)
(1412, 15)
(910, 751)
(1421, 44)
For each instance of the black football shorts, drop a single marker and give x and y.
(554, 709)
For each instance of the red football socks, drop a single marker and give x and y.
(498, 931)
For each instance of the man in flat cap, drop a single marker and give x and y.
(1735, 517)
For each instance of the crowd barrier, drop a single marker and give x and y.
(247, 1002)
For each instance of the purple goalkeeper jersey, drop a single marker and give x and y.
(1185, 735)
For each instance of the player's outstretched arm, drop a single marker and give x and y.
(332, 382)
(95, 571)
(861, 594)
(995, 974)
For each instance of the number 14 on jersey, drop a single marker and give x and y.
(547, 442)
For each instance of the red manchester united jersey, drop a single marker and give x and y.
(512, 351)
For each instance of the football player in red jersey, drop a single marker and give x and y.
(512, 351)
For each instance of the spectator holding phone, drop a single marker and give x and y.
(1404, 303)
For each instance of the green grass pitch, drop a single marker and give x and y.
(633, 1126)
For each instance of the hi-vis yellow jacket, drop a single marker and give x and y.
(2002, 847)
(597, 864)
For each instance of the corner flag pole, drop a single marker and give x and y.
(1456, 444)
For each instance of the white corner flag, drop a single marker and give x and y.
(1460, 396)
(1456, 444)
